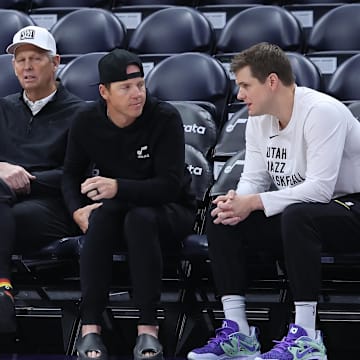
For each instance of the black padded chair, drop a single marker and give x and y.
(326, 36)
(220, 14)
(334, 38)
(80, 76)
(355, 109)
(191, 77)
(47, 12)
(153, 2)
(344, 82)
(133, 15)
(309, 13)
(305, 71)
(261, 23)
(199, 126)
(88, 30)
(11, 21)
(9, 83)
(231, 139)
(173, 30)
(232, 2)
(22, 5)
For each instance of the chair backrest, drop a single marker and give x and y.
(35, 4)
(132, 15)
(355, 109)
(337, 30)
(261, 23)
(220, 14)
(201, 172)
(171, 30)
(199, 126)
(308, 14)
(80, 76)
(231, 139)
(191, 77)
(22, 5)
(153, 2)
(344, 82)
(11, 21)
(47, 12)
(89, 30)
(305, 71)
(229, 175)
(9, 83)
(232, 2)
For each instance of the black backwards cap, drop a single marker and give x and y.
(112, 67)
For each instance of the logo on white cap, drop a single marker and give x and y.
(34, 35)
(27, 34)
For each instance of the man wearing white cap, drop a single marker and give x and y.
(33, 136)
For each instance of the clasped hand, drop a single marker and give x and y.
(232, 208)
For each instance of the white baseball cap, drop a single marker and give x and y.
(34, 35)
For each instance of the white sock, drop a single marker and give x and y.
(234, 309)
(305, 316)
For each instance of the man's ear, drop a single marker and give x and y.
(13, 65)
(56, 61)
(103, 91)
(273, 80)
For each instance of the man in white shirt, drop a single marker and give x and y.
(307, 144)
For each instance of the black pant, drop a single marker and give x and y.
(27, 223)
(146, 231)
(298, 235)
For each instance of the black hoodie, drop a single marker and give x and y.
(147, 157)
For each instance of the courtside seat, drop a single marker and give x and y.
(47, 12)
(334, 38)
(199, 126)
(220, 14)
(305, 71)
(88, 30)
(132, 15)
(344, 82)
(80, 75)
(11, 21)
(278, 26)
(175, 29)
(173, 79)
(22, 5)
(153, 2)
(9, 83)
(355, 108)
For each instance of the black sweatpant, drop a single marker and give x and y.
(298, 236)
(27, 223)
(146, 232)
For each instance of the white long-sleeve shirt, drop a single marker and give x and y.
(315, 158)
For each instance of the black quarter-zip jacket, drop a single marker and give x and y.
(147, 157)
(38, 143)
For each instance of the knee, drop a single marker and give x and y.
(139, 217)
(295, 217)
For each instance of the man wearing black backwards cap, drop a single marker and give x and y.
(33, 135)
(140, 197)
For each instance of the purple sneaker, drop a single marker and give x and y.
(228, 343)
(297, 345)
